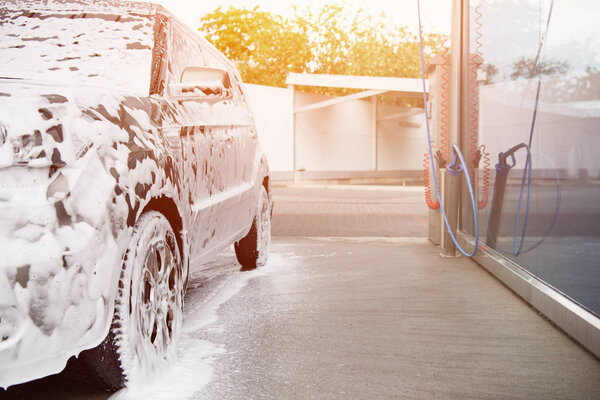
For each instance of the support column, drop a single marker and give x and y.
(292, 127)
(452, 186)
(374, 138)
(455, 75)
(469, 66)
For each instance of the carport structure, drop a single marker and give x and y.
(381, 127)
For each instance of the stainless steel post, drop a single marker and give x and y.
(451, 200)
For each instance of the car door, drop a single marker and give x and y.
(238, 147)
(192, 123)
(218, 146)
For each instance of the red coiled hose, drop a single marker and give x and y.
(477, 152)
(444, 103)
(427, 169)
(443, 129)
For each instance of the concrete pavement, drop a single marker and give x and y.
(388, 319)
(349, 211)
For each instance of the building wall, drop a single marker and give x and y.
(335, 138)
(272, 114)
(400, 146)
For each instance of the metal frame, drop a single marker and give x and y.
(407, 87)
(339, 100)
(576, 321)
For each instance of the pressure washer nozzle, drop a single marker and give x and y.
(455, 168)
(476, 158)
(439, 157)
(504, 167)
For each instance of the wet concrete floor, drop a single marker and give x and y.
(384, 319)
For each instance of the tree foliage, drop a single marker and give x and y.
(326, 40)
(527, 68)
(262, 45)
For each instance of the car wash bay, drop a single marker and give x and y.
(341, 312)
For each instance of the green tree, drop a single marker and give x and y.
(352, 42)
(329, 40)
(262, 45)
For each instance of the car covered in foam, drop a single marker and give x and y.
(128, 154)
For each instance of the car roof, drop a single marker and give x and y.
(81, 41)
(77, 6)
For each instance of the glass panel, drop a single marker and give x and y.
(558, 239)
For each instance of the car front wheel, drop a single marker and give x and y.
(253, 249)
(148, 307)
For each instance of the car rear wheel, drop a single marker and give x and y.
(148, 307)
(253, 249)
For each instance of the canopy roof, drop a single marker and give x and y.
(409, 87)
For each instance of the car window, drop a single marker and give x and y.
(185, 51)
(110, 48)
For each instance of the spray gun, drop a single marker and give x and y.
(441, 160)
(477, 158)
(455, 168)
(506, 161)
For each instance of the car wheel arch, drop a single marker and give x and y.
(167, 207)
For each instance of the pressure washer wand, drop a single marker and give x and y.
(502, 170)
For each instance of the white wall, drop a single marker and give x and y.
(272, 114)
(335, 138)
(400, 147)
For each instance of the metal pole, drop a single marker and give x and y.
(455, 76)
(293, 128)
(451, 200)
(444, 230)
(374, 131)
(466, 221)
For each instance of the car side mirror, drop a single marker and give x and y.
(203, 84)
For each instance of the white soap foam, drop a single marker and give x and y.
(193, 369)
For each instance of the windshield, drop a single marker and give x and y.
(109, 48)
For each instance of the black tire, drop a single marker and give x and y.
(253, 249)
(148, 307)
